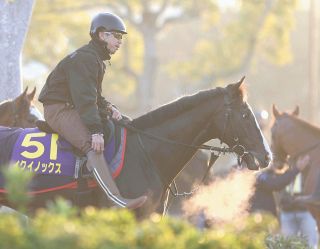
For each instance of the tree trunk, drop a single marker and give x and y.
(313, 91)
(147, 78)
(14, 23)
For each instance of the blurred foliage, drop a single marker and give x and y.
(63, 226)
(226, 46)
(53, 33)
(224, 42)
(16, 182)
(61, 207)
(274, 37)
(118, 229)
(58, 27)
(257, 226)
(294, 242)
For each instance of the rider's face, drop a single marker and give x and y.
(112, 39)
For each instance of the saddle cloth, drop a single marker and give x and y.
(49, 154)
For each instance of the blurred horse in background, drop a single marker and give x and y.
(293, 137)
(19, 112)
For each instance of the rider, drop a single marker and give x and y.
(73, 104)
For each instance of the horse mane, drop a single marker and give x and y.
(184, 104)
(4, 105)
(315, 129)
(174, 108)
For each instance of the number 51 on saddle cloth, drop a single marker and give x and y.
(49, 154)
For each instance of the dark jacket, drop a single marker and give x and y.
(266, 183)
(77, 80)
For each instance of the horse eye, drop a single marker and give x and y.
(245, 115)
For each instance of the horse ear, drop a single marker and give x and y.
(242, 79)
(239, 83)
(22, 95)
(30, 96)
(24, 92)
(296, 111)
(236, 88)
(275, 111)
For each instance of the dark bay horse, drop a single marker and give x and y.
(161, 142)
(19, 112)
(293, 137)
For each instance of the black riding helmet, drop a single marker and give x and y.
(109, 22)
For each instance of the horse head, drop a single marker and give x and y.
(240, 129)
(20, 111)
(290, 136)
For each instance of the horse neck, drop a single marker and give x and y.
(299, 138)
(305, 139)
(187, 128)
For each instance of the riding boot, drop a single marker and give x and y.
(313, 199)
(98, 165)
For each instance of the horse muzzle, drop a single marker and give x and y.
(255, 161)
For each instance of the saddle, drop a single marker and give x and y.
(44, 126)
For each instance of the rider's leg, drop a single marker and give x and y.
(66, 122)
(97, 164)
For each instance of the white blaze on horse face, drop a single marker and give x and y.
(34, 111)
(265, 143)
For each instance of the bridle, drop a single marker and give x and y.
(279, 155)
(238, 148)
(215, 152)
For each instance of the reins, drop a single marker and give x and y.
(168, 185)
(173, 142)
